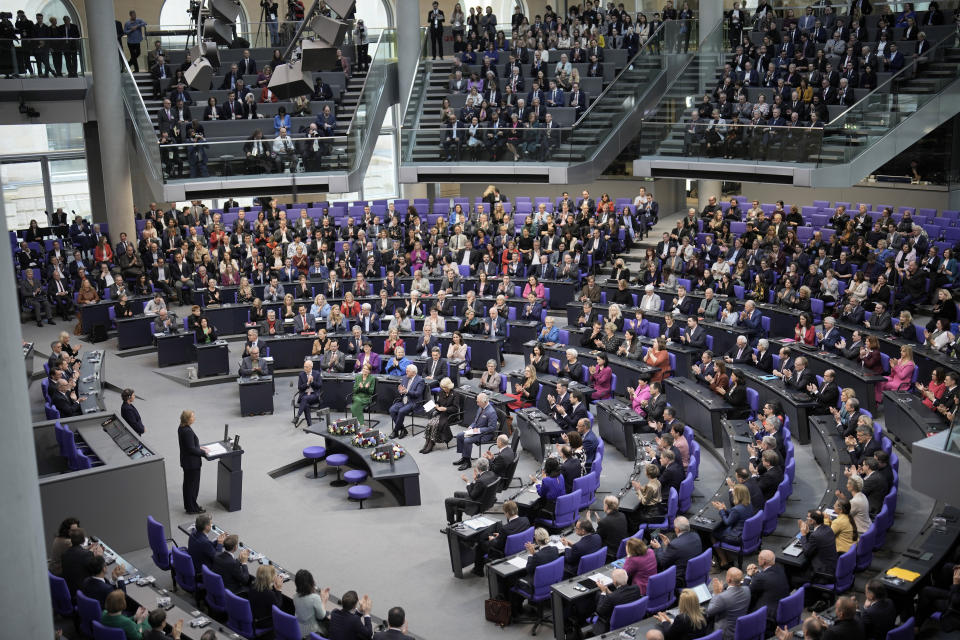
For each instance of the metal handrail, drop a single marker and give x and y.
(423, 46)
(888, 83)
(363, 88)
(152, 143)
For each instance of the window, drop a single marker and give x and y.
(375, 14)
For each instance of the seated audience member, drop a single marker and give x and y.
(470, 500)
(621, 591)
(640, 564)
(680, 550)
(352, 620)
(819, 548)
(768, 586)
(113, 616)
(730, 601)
(689, 623)
(231, 565)
(612, 528)
(310, 604)
(589, 542)
(264, 594)
(202, 550)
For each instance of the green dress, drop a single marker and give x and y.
(362, 395)
(131, 629)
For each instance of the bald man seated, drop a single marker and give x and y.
(617, 593)
(731, 600)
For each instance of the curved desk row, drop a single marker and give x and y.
(735, 436)
(907, 419)
(698, 406)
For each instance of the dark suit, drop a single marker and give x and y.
(827, 397)
(879, 618)
(770, 480)
(820, 548)
(800, 380)
(607, 602)
(875, 488)
(309, 392)
(191, 457)
(845, 630)
(671, 476)
(235, 576)
(612, 529)
(202, 550)
(73, 567)
(66, 406)
(573, 416)
(504, 530)
(469, 501)
(347, 625)
(404, 405)
(98, 589)
(391, 634)
(501, 462)
(765, 361)
(767, 588)
(584, 546)
(131, 416)
(680, 550)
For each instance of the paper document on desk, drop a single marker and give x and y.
(471, 432)
(520, 562)
(480, 522)
(216, 449)
(599, 578)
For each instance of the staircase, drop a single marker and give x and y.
(918, 100)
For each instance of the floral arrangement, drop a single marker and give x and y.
(369, 438)
(387, 453)
(344, 428)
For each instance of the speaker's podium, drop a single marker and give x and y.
(229, 473)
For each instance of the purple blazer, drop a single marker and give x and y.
(374, 358)
(602, 382)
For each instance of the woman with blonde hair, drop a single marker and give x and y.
(901, 373)
(264, 594)
(525, 392)
(690, 622)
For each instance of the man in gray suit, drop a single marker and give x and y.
(254, 365)
(165, 322)
(728, 603)
(483, 425)
(304, 321)
(333, 359)
(469, 501)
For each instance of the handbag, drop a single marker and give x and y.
(497, 611)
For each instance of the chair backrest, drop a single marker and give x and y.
(101, 632)
(566, 509)
(771, 509)
(716, 635)
(60, 595)
(544, 576)
(672, 505)
(865, 548)
(515, 543)
(752, 528)
(88, 610)
(622, 549)
(592, 561)
(904, 632)
(624, 614)
(586, 485)
(686, 494)
(790, 609)
(285, 626)
(751, 626)
(660, 589)
(239, 614)
(156, 534)
(698, 569)
(213, 588)
(845, 566)
(183, 570)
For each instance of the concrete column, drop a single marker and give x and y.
(23, 551)
(710, 15)
(670, 193)
(408, 47)
(98, 199)
(707, 188)
(112, 127)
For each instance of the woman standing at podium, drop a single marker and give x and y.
(191, 457)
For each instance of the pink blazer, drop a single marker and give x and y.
(640, 396)
(539, 291)
(602, 382)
